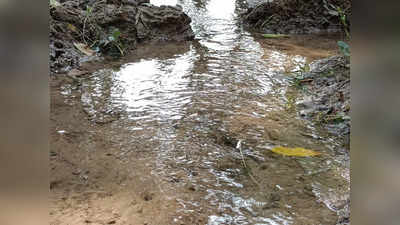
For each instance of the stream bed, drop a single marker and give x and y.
(201, 118)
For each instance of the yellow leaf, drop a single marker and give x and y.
(72, 28)
(301, 152)
(84, 49)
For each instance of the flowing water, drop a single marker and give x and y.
(207, 112)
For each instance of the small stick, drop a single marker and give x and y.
(245, 166)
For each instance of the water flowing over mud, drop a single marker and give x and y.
(181, 133)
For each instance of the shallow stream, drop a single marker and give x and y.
(208, 112)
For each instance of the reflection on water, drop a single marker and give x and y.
(155, 86)
(221, 9)
(207, 109)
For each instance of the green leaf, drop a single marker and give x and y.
(116, 34)
(275, 35)
(344, 48)
(306, 68)
(89, 10)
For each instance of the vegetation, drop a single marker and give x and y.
(344, 48)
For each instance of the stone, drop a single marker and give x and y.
(163, 23)
(137, 20)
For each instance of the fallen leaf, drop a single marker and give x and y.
(84, 49)
(275, 35)
(300, 152)
(72, 28)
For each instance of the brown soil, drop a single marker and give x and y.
(304, 45)
(95, 181)
(92, 185)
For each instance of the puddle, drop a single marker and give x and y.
(208, 113)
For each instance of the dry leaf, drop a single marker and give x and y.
(84, 49)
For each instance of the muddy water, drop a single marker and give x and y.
(206, 113)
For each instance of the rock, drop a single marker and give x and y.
(257, 13)
(327, 64)
(136, 20)
(271, 205)
(274, 197)
(77, 172)
(307, 112)
(344, 214)
(254, 3)
(53, 154)
(77, 73)
(291, 17)
(191, 187)
(147, 196)
(163, 23)
(306, 103)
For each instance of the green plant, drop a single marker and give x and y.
(339, 12)
(324, 118)
(275, 35)
(88, 13)
(344, 48)
(114, 40)
(336, 118)
(301, 76)
(290, 105)
(343, 19)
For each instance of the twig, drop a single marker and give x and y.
(306, 80)
(245, 166)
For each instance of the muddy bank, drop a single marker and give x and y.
(91, 181)
(320, 91)
(324, 99)
(297, 17)
(324, 84)
(321, 87)
(325, 91)
(84, 30)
